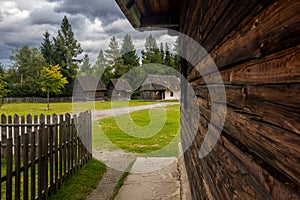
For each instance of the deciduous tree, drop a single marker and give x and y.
(52, 81)
(25, 73)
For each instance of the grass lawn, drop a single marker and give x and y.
(66, 107)
(82, 183)
(146, 139)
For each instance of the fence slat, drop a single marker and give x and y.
(52, 150)
(24, 154)
(40, 173)
(9, 162)
(17, 158)
(68, 146)
(51, 158)
(76, 143)
(60, 148)
(55, 138)
(3, 135)
(72, 145)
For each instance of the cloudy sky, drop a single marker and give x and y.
(94, 22)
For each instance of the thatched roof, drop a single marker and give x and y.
(120, 85)
(90, 83)
(160, 82)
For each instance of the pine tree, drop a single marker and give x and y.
(115, 68)
(152, 53)
(128, 52)
(162, 53)
(168, 57)
(100, 65)
(176, 56)
(86, 66)
(47, 49)
(66, 49)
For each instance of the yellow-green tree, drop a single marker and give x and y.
(52, 81)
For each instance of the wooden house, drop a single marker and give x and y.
(88, 88)
(119, 89)
(255, 46)
(160, 87)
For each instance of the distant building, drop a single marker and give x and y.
(119, 89)
(88, 88)
(160, 87)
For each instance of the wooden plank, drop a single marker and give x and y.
(40, 165)
(17, 157)
(55, 140)
(60, 148)
(278, 68)
(275, 146)
(275, 188)
(274, 29)
(72, 144)
(45, 156)
(51, 154)
(229, 175)
(3, 135)
(270, 112)
(33, 161)
(75, 143)
(64, 150)
(68, 144)
(9, 161)
(229, 20)
(25, 141)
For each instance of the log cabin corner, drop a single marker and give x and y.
(255, 45)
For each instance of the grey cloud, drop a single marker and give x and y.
(45, 15)
(106, 10)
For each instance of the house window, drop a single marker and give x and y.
(171, 94)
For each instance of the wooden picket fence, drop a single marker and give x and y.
(38, 153)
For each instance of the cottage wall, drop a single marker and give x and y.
(256, 47)
(174, 96)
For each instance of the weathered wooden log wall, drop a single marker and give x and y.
(256, 47)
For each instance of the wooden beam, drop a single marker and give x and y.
(159, 20)
(130, 4)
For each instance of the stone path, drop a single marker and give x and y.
(152, 178)
(98, 114)
(116, 162)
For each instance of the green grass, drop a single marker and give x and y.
(66, 107)
(146, 140)
(82, 183)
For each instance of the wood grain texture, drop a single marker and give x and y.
(255, 48)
